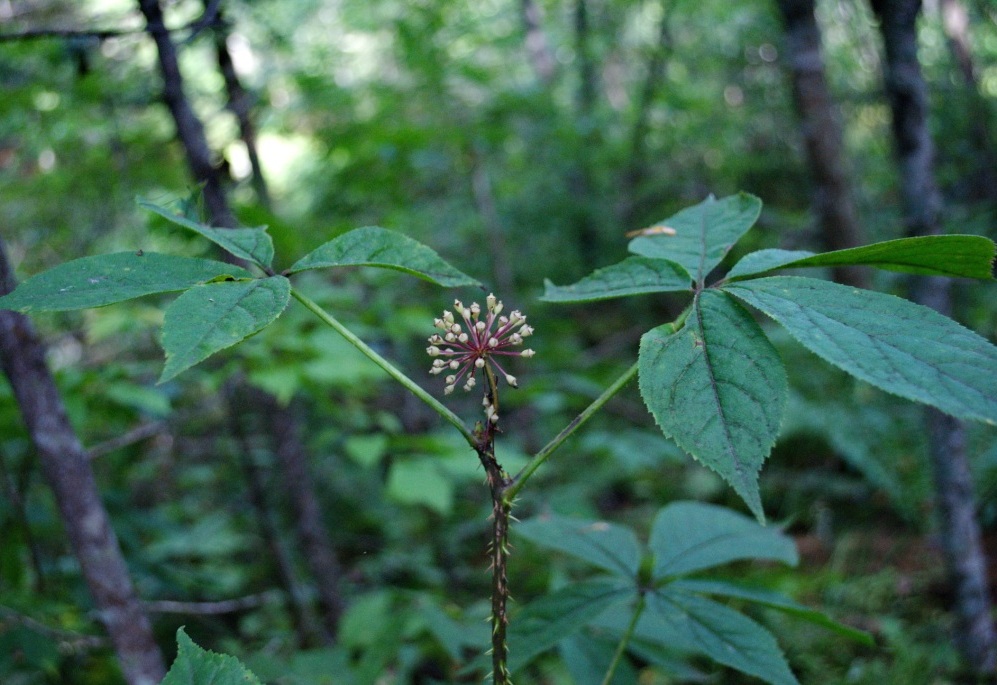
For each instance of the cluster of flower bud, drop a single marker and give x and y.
(467, 344)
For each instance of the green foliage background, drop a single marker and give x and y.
(398, 114)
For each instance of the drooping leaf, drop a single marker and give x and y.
(252, 244)
(550, 619)
(196, 666)
(208, 318)
(605, 545)
(691, 536)
(373, 246)
(632, 276)
(694, 623)
(718, 388)
(776, 601)
(106, 279)
(958, 256)
(901, 347)
(704, 233)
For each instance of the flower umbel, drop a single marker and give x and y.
(468, 345)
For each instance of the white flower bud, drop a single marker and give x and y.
(475, 309)
(493, 342)
(491, 301)
(450, 380)
(470, 384)
(450, 337)
(454, 364)
(526, 330)
(462, 337)
(493, 418)
(516, 339)
(479, 362)
(447, 390)
(511, 380)
(480, 326)
(459, 306)
(455, 328)
(527, 353)
(433, 351)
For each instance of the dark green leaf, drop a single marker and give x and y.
(373, 246)
(105, 279)
(704, 233)
(691, 536)
(896, 345)
(776, 601)
(693, 623)
(196, 666)
(208, 318)
(553, 617)
(718, 388)
(587, 659)
(959, 256)
(252, 244)
(632, 276)
(606, 545)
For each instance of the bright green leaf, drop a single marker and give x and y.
(691, 536)
(253, 244)
(693, 623)
(196, 666)
(632, 276)
(704, 233)
(105, 279)
(776, 601)
(209, 318)
(958, 256)
(420, 481)
(373, 246)
(606, 545)
(550, 619)
(896, 345)
(718, 388)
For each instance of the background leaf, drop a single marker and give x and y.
(896, 345)
(106, 279)
(605, 545)
(632, 276)
(691, 536)
(959, 256)
(209, 318)
(718, 388)
(704, 233)
(373, 246)
(253, 244)
(196, 666)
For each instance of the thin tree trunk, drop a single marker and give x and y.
(822, 137)
(67, 469)
(959, 527)
(580, 181)
(537, 47)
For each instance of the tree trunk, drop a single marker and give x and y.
(67, 469)
(959, 527)
(537, 48)
(822, 137)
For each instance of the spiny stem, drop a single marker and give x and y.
(540, 457)
(624, 641)
(500, 590)
(391, 370)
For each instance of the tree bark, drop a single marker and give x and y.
(821, 130)
(958, 524)
(67, 469)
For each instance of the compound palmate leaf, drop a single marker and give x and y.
(209, 318)
(196, 666)
(106, 279)
(718, 388)
(632, 276)
(252, 244)
(896, 345)
(374, 246)
(704, 233)
(606, 545)
(957, 256)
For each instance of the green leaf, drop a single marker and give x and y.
(196, 666)
(718, 388)
(901, 347)
(693, 623)
(605, 545)
(958, 256)
(776, 601)
(252, 244)
(553, 617)
(373, 246)
(587, 659)
(105, 279)
(704, 233)
(691, 536)
(420, 481)
(632, 276)
(209, 318)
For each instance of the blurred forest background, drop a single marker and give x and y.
(289, 506)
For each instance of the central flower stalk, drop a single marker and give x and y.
(473, 342)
